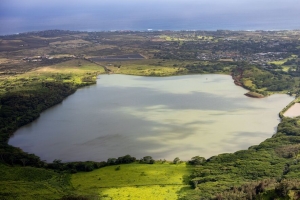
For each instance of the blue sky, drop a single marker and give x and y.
(30, 15)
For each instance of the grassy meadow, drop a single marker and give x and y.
(131, 181)
(135, 181)
(149, 67)
(32, 183)
(76, 72)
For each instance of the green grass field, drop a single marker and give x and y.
(135, 181)
(149, 67)
(132, 181)
(31, 183)
(280, 62)
(73, 71)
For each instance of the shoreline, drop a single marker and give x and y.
(214, 74)
(235, 78)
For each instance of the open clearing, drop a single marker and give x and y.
(135, 181)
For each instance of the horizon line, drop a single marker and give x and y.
(151, 30)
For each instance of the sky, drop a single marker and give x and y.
(91, 15)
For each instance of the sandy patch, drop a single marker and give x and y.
(69, 42)
(3, 60)
(293, 111)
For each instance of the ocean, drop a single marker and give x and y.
(90, 15)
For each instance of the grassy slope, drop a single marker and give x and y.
(67, 72)
(134, 181)
(32, 183)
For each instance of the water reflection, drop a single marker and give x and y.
(169, 117)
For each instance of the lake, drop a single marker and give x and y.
(164, 117)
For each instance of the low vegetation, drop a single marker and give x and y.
(162, 180)
(32, 183)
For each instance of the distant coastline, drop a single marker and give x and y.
(72, 30)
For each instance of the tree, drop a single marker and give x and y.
(176, 160)
(12, 159)
(126, 159)
(260, 188)
(111, 161)
(197, 160)
(2, 152)
(282, 189)
(57, 164)
(24, 161)
(147, 160)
